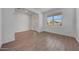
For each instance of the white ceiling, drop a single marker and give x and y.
(40, 9)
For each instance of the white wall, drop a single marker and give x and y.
(13, 22)
(68, 24)
(8, 25)
(77, 24)
(40, 22)
(22, 22)
(0, 27)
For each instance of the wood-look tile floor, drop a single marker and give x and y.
(43, 41)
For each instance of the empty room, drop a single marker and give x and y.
(39, 29)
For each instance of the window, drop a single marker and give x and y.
(55, 20)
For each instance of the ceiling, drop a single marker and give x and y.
(37, 10)
(41, 9)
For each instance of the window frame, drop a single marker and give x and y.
(53, 23)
